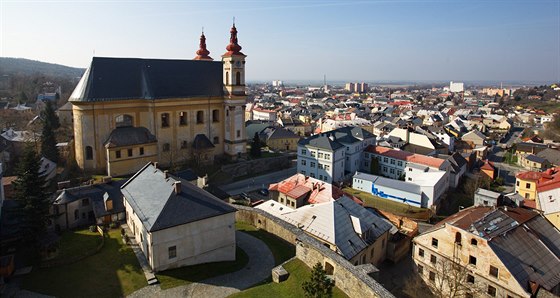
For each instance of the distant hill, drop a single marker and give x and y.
(20, 66)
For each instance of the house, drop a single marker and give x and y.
(483, 197)
(533, 162)
(549, 201)
(280, 139)
(527, 182)
(488, 170)
(526, 148)
(176, 223)
(551, 155)
(489, 251)
(458, 169)
(178, 103)
(342, 225)
(333, 155)
(474, 137)
(96, 204)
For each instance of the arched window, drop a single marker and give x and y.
(215, 116)
(124, 120)
(89, 153)
(238, 78)
(227, 77)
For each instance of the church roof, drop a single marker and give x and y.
(134, 78)
(128, 136)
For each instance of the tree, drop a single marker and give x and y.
(319, 285)
(451, 279)
(30, 191)
(50, 117)
(48, 137)
(256, 146)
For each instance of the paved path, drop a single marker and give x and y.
(258, 182)
(150, 277)
(257, 269)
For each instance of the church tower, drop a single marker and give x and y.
(202, 53)
(235, 98)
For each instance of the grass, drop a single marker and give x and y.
(281, 249)
(112, 272)
(186, 275)
(73, 243)
(390, 206)
(299, 272)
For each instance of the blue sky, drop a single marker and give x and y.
(303, 40)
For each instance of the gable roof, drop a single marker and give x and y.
(334, 139)
(552, 155)
(134, 78)
(150, 193)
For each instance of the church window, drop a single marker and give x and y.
(182, 118)
(227, 78)
(165, 120)
(89, 153)
(216, 140)
(200, 117)
(238, 78)
(215, 116)
(166, 147)
(118, 153)
(123, 120)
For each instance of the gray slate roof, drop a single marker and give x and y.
(128, 136)
(333, 140)
(535, 158)
(96, 194)
(135, 78)
(153, 198)
(552, 155)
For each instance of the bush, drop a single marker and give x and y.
(112, 225)
(93, 229)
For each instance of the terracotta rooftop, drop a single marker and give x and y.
(300, 185)
(407, 156)
(8, 180)
(488, 165)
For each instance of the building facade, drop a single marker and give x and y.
(188, 110)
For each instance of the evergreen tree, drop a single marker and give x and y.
(319, 285)
(256, 146)
(48, 138)
(30, 190)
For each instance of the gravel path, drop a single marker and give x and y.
(261, 262)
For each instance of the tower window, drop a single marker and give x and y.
(238, 78)
(215, 116)
(89, 153)
(227, 77)
(165, 120)
(199, 117)
(182, 118)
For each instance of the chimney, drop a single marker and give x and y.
(155, 164)
(177, 187)
(166, 174)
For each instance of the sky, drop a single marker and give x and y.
(369, 40)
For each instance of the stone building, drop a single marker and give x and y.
(129, 110)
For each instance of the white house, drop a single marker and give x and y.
(176, 223)
(390, 189)
(332, 155)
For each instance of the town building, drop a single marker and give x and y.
(483, 197)
(527, 183)
(280, 139)
(173, 109)
(491, 252)
(456, 87)
(332, 156)
(176, 223)
(549, 200)
(390, 189)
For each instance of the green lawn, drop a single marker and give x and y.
(389, 206)
(113, 272)
(74, 243)
(281, 249)
(291, 287)
(186, 275)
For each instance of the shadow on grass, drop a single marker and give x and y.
(281, 249)
(186, 275)
(112, 272)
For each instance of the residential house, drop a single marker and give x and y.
(550, 155)
(483, 197)
(360, 236)
(176, 223)
(488, 170)
(333, 155)
(474, 137)
(525, 148)
(549, 200)
(499, 252)
(526, 183)
(458, 169)
(533, 162)
(280, 139)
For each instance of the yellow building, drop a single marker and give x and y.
(128, 111)
(281, 139)
(526, 184)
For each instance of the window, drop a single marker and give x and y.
(434, 242)
(491, 291)
(392, 171)
(320, 154)
(432, 276)
(238, 78)
(129, 152)
(517, 182)
(312, 164)
(123, 121)
(303, 151)
(320, 177)
(76, 214)
(392, 161)
(528, 185)
(327, 167)
(166, 147)
(303, 172)
(420, 252)
(227, 77)
(470, 279)
(410, 169)
(216, 140)
(493, 271)
(385, 159)
(182, 118)
(172, 252)
(85, 202)
(458, 238)
(399, 173)
(215, 116)
(527, 195)
(89, 153)
(433, 259)
(320, 166)
(303, 162)
(399, 163)
(313, 154)
(409, 179)
(472, 260)
(199, 117)
(118, 154)
(385, 169)
(141, 150)
(312, 175)
(238, 133)
(420, 269)
(474, 242)
(165, 120)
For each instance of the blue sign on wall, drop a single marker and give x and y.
(375, 191)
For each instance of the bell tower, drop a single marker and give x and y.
(233, 62)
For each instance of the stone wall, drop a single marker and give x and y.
(355, 281)
(257, 166)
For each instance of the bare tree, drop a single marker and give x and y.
(450, 279)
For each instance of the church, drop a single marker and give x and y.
(130, 111)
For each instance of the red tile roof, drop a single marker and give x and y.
(407, 156)
(299, 185)
(488, 165)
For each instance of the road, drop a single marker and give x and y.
(258, 182)
(505, 170)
